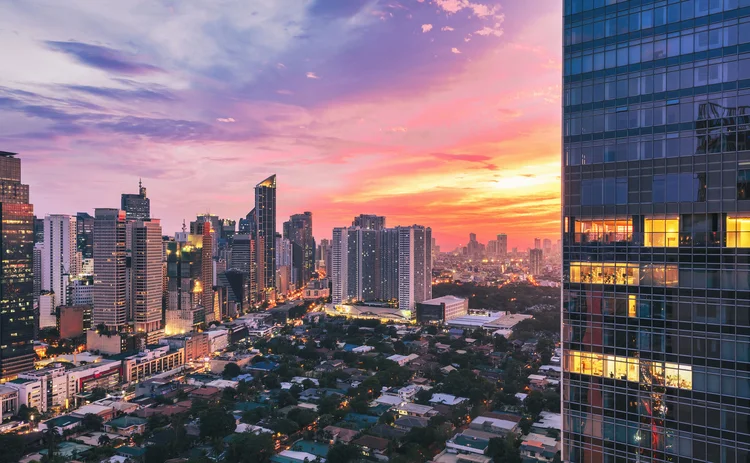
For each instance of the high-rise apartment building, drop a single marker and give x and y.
(502, 245)
(536, 261)
(354, 271)
(17, 323)
(265, 231)
(146, 285)
(414, 266)
(369, 222)
(656, 221)
(61, 260)
(547, 246)
(537, 243)
(388, 264)
(323, 256)
(298, 230)
(136, 206)
(285, 264)
(207, 270)
(110, 285)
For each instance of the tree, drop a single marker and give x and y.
(423, 397)
(51, 436)
(342, 453)
(534, 403)
(231, 370)
(250, 448)
(216, 423)
(525, 425)
(284, 426)
(12, 446)
(503, 450)
(302, 416)
(98, 393)
(92, 422)
(104, 440)
(285, 398)
(157, 454)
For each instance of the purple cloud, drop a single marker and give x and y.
(107, 59)
(124, 94)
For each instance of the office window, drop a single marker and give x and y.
(661, 232)
(604, 231)
(738, 232)
(676, 188)
(604, 191)
(743, 184)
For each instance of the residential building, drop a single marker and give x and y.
(369, 222)
(354, 264)
(54, 382)
(60, 257)
(285, 279)
(265, 232)
(136, 206)
(126, 425)
(414, 266)
(298, 230)
(502, 245)
(195, 345)
(538, 448)
(110, 284)
(536, 261)
(16, 278)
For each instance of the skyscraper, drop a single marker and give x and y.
(323, 256)
(547, 246)
(136, 206)
(285, 253)
(354, 272)
(265, 231)
(60, 256)
(536, 261)
(537, 243)
(502, 245)
(110, 285)
(17, 323)
(146, 283)
(298, 230)
(369, 222)
(414, 266)
(85, 234)
(656, 292)
(207, 269)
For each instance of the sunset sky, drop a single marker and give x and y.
(444, 113)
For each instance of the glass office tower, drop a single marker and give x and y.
(656, 230)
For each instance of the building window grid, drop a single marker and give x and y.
(694, 254)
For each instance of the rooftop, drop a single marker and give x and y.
(126, 421)
(444, 300)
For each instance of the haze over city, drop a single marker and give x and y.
(413, 110)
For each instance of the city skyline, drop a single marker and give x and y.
(191, 102)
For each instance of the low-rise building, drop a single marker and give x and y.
(537, 448)
(496, 426)
(218, 340)
(461, 443)
(143, 365)
(54, 379)
(126, 425)
(448, 399)
(441, 309)
(30, 393)
(8, 402)
(195, 345)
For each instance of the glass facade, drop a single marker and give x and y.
(656, 231)
(17, 320)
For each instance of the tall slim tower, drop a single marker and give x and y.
(265, 222)
(110, 285)
(207, 269)
(16, 279)
(414, 266)
(60, 256)
(298, 230)
(502, 245)
(85, 234)
(146, 275)
(656, 214)
(136, 206)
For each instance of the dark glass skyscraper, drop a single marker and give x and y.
(265, 223)
(136, 206)
(656, 231)
(298, 230)
(16, 278)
